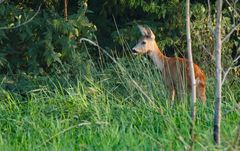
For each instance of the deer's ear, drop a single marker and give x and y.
(150, 34)
(143, 30)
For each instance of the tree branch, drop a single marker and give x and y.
(230, 68)
(230, 33)
(204, 48)
(24, 23)
(234, 13)
(208, 52)
(233, 7)
(209, 18)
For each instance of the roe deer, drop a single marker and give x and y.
(175, 70)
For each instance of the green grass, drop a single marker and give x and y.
(121, 107)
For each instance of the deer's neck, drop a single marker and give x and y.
(158, 57)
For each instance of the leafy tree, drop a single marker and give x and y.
(47, 40)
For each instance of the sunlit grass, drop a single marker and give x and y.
(120, 107)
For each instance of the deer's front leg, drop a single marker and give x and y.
(172, 94)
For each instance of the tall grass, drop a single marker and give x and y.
(122, 106)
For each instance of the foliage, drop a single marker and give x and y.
(47, 40)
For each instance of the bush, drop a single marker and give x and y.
(46, 41)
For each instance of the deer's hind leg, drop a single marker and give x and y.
(170, 89)
(201, 92)
(172, 94)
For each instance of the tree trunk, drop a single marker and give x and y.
(192, 75)
(65, 9)
(218, 90)
(236, 143)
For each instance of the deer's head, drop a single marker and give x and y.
(146, 43)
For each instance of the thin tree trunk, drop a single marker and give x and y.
(236, 143)
(218, 90)
(192, 75)
(65, 9)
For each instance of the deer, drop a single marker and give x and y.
(174, 70)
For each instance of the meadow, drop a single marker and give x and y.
(60, 94)
(119, 106)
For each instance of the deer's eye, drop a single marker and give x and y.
(143, 42)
